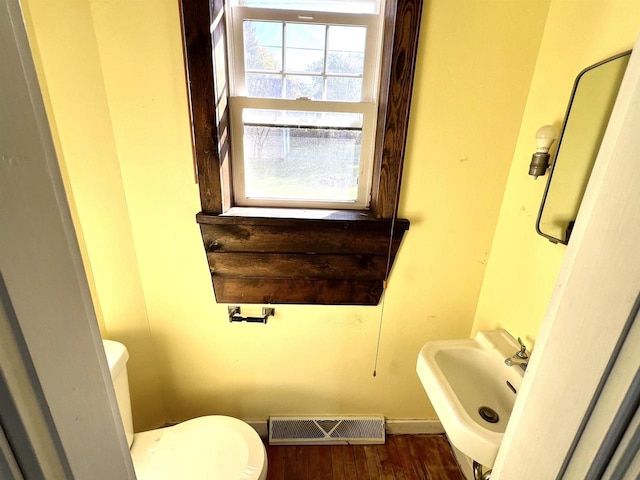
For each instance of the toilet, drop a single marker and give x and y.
(210, 447)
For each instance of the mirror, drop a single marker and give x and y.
(594, 93)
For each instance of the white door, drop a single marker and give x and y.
(607, 445)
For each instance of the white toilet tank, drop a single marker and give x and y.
(117, 356)
(202, 448)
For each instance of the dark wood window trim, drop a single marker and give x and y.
(295, 255)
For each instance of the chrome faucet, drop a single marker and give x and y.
(521, 358)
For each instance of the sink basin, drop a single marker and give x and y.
(462, 376)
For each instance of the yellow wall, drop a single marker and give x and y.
(68, 62)
(114, 75)
(523, 265)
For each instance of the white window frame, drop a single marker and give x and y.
(238, 100)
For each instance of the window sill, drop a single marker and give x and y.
(278, 214)
(328, 257)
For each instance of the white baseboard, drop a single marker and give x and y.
(259, 426)
(413, 427)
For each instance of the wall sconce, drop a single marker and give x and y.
(545, 136)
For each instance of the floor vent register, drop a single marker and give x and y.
(326, 430)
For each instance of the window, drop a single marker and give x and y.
(303, 91)
(299, 255)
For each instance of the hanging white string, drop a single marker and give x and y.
(384, 293)
(375, 363)
(394, 216)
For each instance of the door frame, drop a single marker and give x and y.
(45, 280)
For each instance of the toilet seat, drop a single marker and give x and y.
(212, 447)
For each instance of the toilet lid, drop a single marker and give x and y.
(212, 447)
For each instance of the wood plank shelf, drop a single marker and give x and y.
(299, 260)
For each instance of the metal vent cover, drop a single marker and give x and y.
(326, 430)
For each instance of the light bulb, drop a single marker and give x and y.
(545, 136)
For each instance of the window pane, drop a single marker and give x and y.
(340, 6)
(301, 155)
(344, 89)
(303, 86)
(264, 85)
(345, 50)
(220, 72)
(313, 71)
(304, 47)
(263, 46)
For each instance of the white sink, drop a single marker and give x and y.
(460, 377)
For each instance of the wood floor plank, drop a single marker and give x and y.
(451, 469)
(403, 457)
(372, 461)
(411, 457)
(343, 461)
(395, 459)
(361, 463)
(337, 462)
(291, 463)
(437, 458)
(350, 469)
(384, 463)
(302, 463)
(320, 467)
(276, 463)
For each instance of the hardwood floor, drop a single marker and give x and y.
(403, 457)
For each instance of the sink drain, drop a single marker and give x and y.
(489, 414)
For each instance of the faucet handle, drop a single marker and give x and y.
(523, 350)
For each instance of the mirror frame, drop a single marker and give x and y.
(551, 238)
